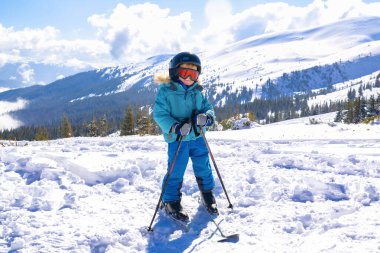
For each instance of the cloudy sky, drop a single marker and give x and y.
(98, 33)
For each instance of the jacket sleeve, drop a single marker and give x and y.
(161, 111)
(207, 108)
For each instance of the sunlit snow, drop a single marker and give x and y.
(295, 187)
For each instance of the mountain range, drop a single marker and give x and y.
(334, 57)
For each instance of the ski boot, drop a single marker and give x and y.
(209, 202)
(174, 210)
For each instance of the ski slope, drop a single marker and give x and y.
(295, 187)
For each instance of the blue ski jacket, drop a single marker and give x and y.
(174, 104)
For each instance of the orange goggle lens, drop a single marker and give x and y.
(185, 73)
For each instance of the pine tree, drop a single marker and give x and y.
(362, 109)
(42, 134)
(144, 122)
(66, 130)
(372, 106)
(305, 110)
(138, 122)
(127, 125)
(92, 128)
(377, 82)
(349, 115)
(156, 130)
(356, 111)
(361, 90)
(103, 126)
(314, 110)
(359, 111)
(351, 94)
(339, 116)
(276, 117)
(377, 106)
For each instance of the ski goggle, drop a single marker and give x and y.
(185, 73)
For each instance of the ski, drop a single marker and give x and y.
(226, 238)
(185, 226)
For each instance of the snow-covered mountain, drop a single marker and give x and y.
(295, 187)
(294, 61)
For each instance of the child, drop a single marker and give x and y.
(181, 109)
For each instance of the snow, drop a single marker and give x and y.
(2, 89)
(253, 60)
(295, 187)
(343, 88)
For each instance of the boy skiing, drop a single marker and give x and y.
(181, 110)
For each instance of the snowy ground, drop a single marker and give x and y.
(295, 188)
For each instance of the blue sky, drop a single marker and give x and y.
(70, 16)
(98, 33)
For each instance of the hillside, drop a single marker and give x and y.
(265, 67)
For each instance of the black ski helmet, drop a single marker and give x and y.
(184, 57)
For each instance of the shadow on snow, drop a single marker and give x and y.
(164, 229)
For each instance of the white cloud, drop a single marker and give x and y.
(278, 17)
(6, 121)
(127, 34)
(45, 46)
(142, 30)
(25, 39)
(27, 73)
(219, 16)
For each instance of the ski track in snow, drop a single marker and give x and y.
(99, 195)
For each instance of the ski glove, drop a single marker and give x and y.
(182, 129)
(202, 119)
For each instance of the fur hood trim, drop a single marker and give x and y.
(160, 78)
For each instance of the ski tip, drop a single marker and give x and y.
(231, 238)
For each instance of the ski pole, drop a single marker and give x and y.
(166, 181)
(216, 168)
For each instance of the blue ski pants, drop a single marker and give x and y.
(197, 151)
